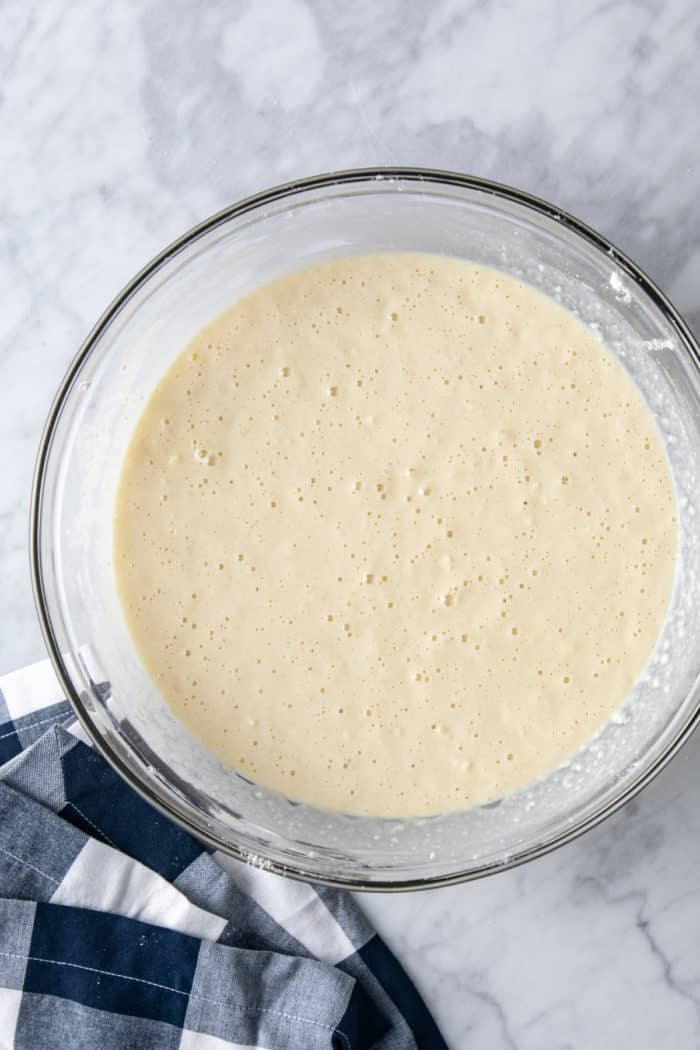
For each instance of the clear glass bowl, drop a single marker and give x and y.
(102, 397)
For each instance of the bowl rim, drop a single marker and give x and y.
(167, 805)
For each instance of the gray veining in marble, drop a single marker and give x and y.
(121, 125)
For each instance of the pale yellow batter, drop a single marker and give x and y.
(395, 535)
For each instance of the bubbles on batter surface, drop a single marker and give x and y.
(354, 523)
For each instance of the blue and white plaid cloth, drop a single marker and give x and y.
(119, 931)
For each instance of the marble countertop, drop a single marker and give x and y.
(121, 125)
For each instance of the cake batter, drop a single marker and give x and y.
(395, 535)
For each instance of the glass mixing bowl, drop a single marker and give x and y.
(102, 396)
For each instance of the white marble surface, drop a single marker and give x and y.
(122, 124)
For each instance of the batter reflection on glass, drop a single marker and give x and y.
(395, 535)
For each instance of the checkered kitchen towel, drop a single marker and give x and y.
(118, 930)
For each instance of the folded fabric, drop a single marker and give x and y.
(119, 930)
